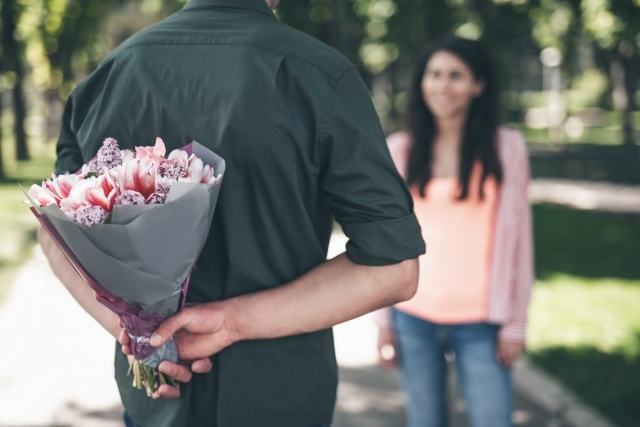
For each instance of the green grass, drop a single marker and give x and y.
(599, 135)
(585, 311)
(17, 224)
(586, 243)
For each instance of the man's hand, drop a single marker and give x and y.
(199, 332)
(508, 352)
(178, 372)
(387, 351)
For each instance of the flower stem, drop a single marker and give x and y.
(149, 378)
(137, 374)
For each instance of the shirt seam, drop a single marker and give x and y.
(324, 130)
(177, 42)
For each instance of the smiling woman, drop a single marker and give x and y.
(468, 178)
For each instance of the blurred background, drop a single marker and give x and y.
(570, 78)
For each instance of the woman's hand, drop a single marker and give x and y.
(387, 347)
(508, 352)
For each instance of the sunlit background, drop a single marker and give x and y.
(570, 73)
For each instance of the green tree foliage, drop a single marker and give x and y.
(58, 42)
(615, 26)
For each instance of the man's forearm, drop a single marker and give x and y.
(334, 292)
(76, 286)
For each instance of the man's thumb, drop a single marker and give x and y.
(166, 329)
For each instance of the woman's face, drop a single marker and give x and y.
(449, 86)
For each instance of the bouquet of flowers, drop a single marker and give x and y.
(133, 225)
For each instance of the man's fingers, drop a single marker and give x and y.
(170, 326)
(124, 337)
(201, 366)
(125, 341)
(177, 372)
(167, 391)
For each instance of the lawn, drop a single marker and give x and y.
(585, 316)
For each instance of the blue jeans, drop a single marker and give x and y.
(129, 422)
(485, 384)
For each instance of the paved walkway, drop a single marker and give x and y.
(587, 195)
(56, 365)
(56, 362)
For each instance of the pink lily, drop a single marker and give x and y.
(97, 197)
(199, 172)
(137, 175)
(157, 151)
(61, 185)
(126, 155)
(178, 154)
(42, 196)
(93, 191)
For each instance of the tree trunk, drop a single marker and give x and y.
(20, 114)
(2, 175)
(11, 62)
(620, 97)
(630, 66)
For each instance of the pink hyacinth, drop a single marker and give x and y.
(90, 215)
(92, 166)
(109, 154)
(130, 197)
(173, 169)
(156, 199)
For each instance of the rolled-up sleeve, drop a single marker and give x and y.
(360, 182)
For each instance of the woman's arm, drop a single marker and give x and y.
(515, 329)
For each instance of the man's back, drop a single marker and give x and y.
(301, 140)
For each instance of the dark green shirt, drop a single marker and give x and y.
(303, 146)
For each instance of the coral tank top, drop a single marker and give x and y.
(455, 272)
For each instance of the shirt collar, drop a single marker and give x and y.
(256, 5)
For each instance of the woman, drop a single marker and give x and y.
(469, 179)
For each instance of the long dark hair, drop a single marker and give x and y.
(481, 127)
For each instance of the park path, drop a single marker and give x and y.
(56, 362)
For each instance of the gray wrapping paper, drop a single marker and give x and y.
(147, 252)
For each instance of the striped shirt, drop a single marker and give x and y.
(511, 269)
